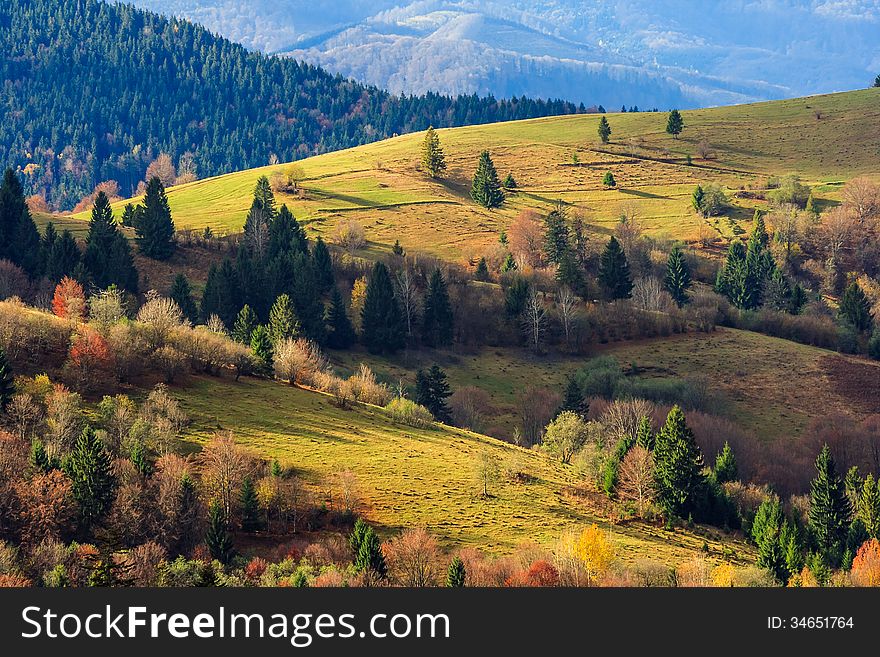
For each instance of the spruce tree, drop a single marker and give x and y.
(62, 257)
(217, 538)
(340, 334)
(261, 346)
(731, 279)
(482, 271)
(697, 199)
(282, 321)
(38, 458)
(265, 199)
(356, 538)
(107, 255)
(766, 532)
(674, 123)
(855, 308)
(181, 294)
(574, 400)
(139, 455)
(510, 182)
(432, 390)
(7, 382)
(604, 130)
(323, 266)
(569, 273)
(678, 276)
(678, 465)
(286, 235)
(869, 506)
(90, 470)
(726, 468)
(250, 506)
(486, 188)
(645, 434)
(456, 574)
(245, 323)
(509, 264)
(155, 228)
(433, 158)
(437, 320)
(222, 295)
(608, 180)
(370, 559)
(830, 509)
(614, 271)
(382, 324)
(19, 238)
(306, 299)
(557, 239)
(777, 293)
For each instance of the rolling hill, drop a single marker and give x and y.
(826, 140)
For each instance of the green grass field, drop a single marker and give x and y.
(380, 186)
(420, 477)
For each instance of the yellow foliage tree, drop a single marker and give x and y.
(866, 565)
(723, 575)
(595, 552)
(358, 296)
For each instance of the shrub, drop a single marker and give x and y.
(298, 361)
(407, 412)
(366, 389)
(160, 316)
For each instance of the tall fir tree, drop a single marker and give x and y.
(283, 322)
(181, 294)
(217, 538)
(456, 574)
(645, 434)
(323, 266)
(726, 468)
(265, 199)
(369, 558)
(855, 308)
(557, 237)
(437, 318)
(307, 299)
(604, 130)
(674, 123)
(62, 257)
(250, 507)
(245, 323)
(678, 276)
(573, 400)
(7, 381)
(107, 255)
(486, 188)
(433, 159)
(766, 532)
(383, 329)
(614, 272)
(155, 227)
(869, 506)
(340, 334)
(222, 295)
(697, 199)
(830, 509)
(261, 346)
(19, 238)
(432, 391)
(286, 236)
(90, 470)
(678, 465)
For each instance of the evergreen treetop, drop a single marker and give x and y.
(155, 228)
(486, 188)
(433, 158)
(830, 508)
(437, 319)
(678, 276)
(604, 130)
(674, 123)
(614, 272)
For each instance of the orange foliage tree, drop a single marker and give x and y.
(89, 352)
(866, 565)
(69, 300)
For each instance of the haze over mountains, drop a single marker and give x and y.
(643, 52)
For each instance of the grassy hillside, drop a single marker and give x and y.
(824, 139)
(421, 477)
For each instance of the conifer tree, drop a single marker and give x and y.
(397, 249)
(437, 320)
(777, 294)
(855, 308)
(604, 130)
(731, 280)
(19, 238)
(245, 323)
(510, 182)
(256, 231)
(433, 158)
(356, 538)
(608, 180)
(38, 457)
(674, 123)
(340, 334)
(140, 457)
(569, 273)
(678, 465)
(697, 199)
(370, 559)
(7, 382)
(766, 531)
(557, 239)
(432, 390)
(155, 228)
(107, 255)
(645, 434)
(456, 574)
(574, 400)
(810, 208)
(869, 506)
(261, 346)
(62, 257)
(382, 324)
(482, 271)
(90, 470)
(286, 236)
(283, 322)
(323, 266)
(181, 294)
(726, 468)
(614, 271)
(509, 264)
(830, 509)
(306, 299)
(265, 199)
(217, 538)
(678, 276)
(222, 296)
(486, 188)
(250, 506)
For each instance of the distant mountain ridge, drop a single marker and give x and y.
(643, 52)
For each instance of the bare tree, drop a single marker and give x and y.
(470, 408)
(407, 295)
(704, 149)
(862, 197)
(224, 467)
(163, 169)
(256, 231)
(534, 319)
(787, 229)
(536, 407)
(350, 236)
(648, 294)
(567, 303)
(486, 470)
(414, 558)
(636, 478)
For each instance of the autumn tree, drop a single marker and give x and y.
(433, 158)
(866, 565)
(595, 552)
(7, 381)
(486, 471)
(69, 300)
(635, 479)
(413, 558)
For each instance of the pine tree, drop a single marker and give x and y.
(574, 400)
(369, 557)
(482, 271)
(155, 228)
(510, 182)
(777, 294)
(250, 507)
(265, 199)
(855, 308)
(282, 321)
(323, 266)
(557, 239)
(569, 273)
(397, 249)
(830, 509)
(731, 277)
(645, 434)
(306, 299)
(356, 538)
(437, 320)
(869, 506)
(222, 295)
(261, 346)
(674, 124)
(181, 294)
(382, 324)
(766, 532)
(509, 264)
(678, 276)
(604, 130)
(341, 334)
(608, 180)
(90, 470)
(62, 257)
(456, 574)
(7, 382)
(286, 236)
(432, 390)
(726, 468)
(217, 538)
(39, 459)
(614, 271)
(432, 154)
(245, 323)
(107, 255)
(486, 189)
(697, 199)
(19, 238)
(678, 465)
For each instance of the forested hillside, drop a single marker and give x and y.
(95, 92)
